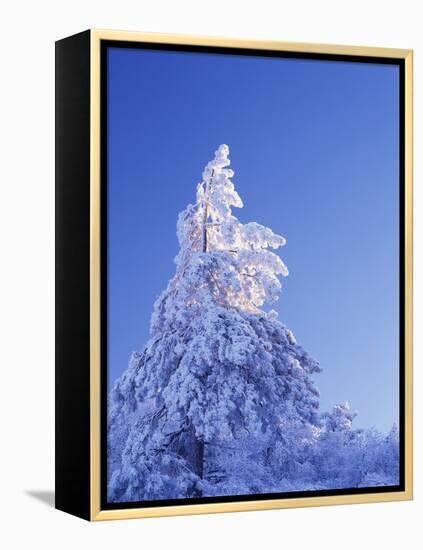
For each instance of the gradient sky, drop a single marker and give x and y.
(314, 147)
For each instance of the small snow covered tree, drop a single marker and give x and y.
(217, 371)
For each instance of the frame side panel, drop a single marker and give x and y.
(408, 291)
(72, 384)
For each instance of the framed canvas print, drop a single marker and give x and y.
(233, 275)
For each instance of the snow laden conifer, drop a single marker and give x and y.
(217, 369)
(221, 399)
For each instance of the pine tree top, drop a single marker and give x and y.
(241, 272)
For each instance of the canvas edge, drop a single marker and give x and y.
(72, 258)
(97, 514)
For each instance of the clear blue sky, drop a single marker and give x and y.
(314, 147)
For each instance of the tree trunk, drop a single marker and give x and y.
(189, 447)
(205, 212)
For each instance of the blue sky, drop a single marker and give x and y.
(314, 147)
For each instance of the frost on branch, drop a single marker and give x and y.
(221, 400)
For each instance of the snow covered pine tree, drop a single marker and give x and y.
(221, 399)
